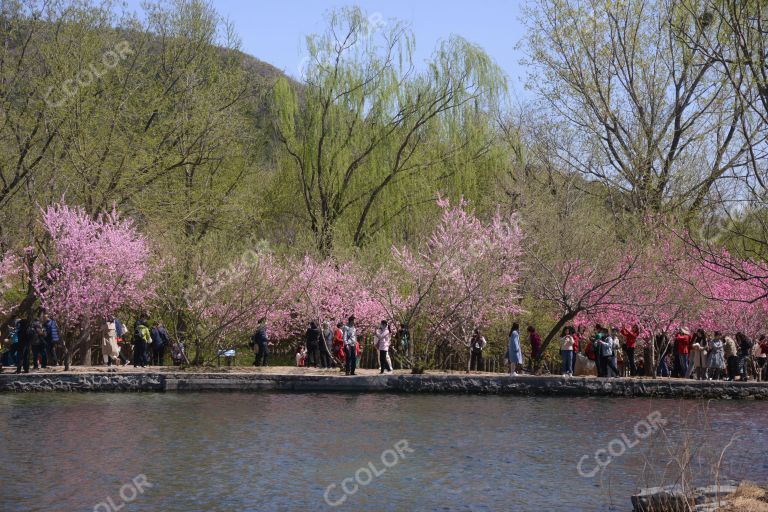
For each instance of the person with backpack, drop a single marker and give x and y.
(349, 337)
(110, 349)
(381, 340)
(476, 346)
(515, 352)
(141, 339)
(312, 338)
(36, 336)
(260, 343)
(52, 338)
(160, 340)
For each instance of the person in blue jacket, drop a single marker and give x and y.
(52, 339)
(515, 353)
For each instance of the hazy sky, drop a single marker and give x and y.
(274, 31)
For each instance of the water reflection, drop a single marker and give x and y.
(272, 451)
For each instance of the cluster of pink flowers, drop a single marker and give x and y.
(10, 272)
(668, 289)
(465, 275)
(95, 266)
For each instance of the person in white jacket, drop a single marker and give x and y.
(566, 351)
(381, 340)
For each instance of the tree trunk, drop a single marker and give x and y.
(85, 347)
(553, 332)
(67, 357)
(650, 360)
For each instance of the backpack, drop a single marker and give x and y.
(590, 351)
(137, 337)
(252, 342)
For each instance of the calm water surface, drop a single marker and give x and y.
(274, 452)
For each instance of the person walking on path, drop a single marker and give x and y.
(630, 342)
(716, 357)
(326, 345)
(141, 339)
(312, 339)
(476, 346)
(381, 340)
(566, 351)
(124, 345)
(349, 337)
(110, 350)
(261, 343)
(160, 340)
(52, 339)
(515, 351)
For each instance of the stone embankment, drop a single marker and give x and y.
(289, 379)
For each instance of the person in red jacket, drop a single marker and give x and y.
(338, 343)
(576, 334)
(682, 345)
(630, 341)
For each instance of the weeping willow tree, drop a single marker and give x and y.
(368, 136)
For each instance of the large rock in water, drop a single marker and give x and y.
(673, 498)
(670, 498)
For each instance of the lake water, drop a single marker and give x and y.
(277, 451)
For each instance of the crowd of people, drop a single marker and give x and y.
(698, 355)
(602, 351)
(40, 339)
(336, 346)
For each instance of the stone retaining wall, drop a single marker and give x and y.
(525, 385)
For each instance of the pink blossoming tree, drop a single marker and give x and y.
(95, 267)
(329, 291)
(225, 307)
(463, 277)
